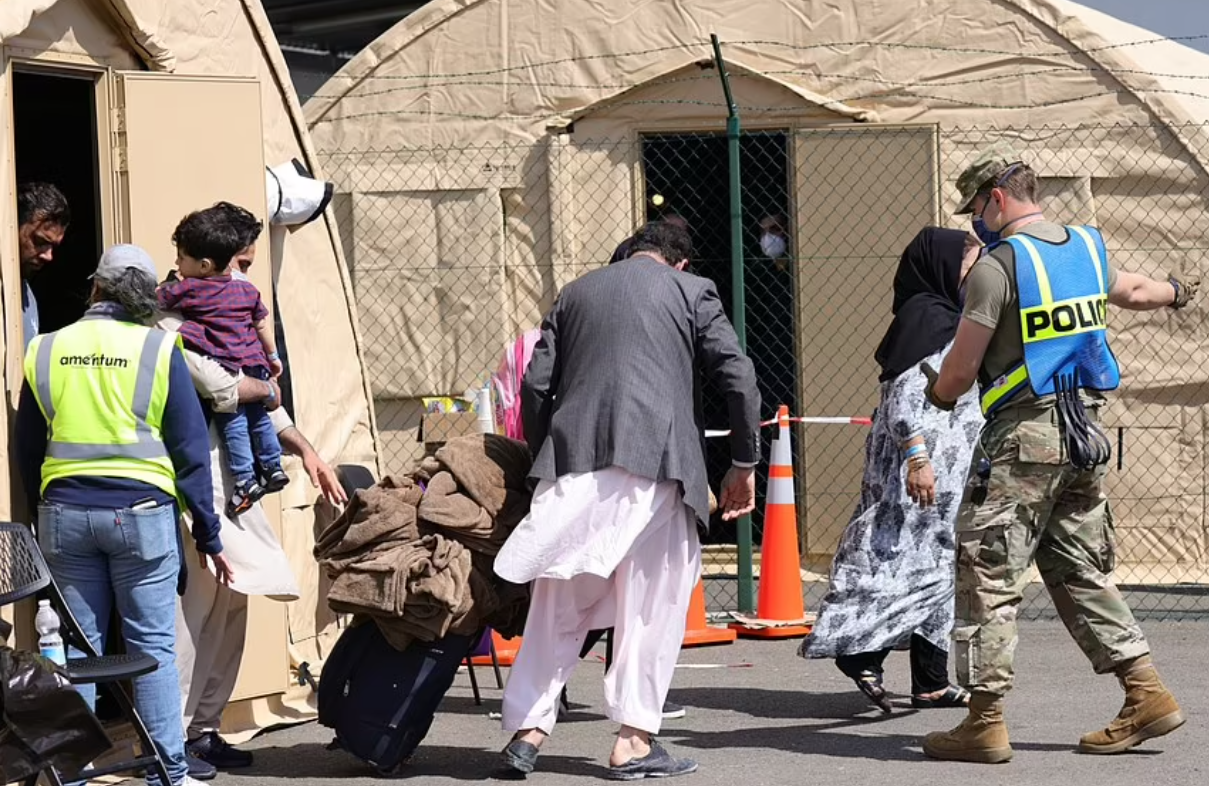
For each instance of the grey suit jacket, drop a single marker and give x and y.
(616, 378)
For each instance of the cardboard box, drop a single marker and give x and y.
(437, 428)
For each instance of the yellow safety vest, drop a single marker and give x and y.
(102, 385)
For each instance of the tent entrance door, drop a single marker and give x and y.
(688, 175)
(56, 141)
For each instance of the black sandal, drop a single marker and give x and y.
(952, 697)
(870, 684)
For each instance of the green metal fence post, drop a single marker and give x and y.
(738, 301)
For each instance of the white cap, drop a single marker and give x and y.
(122, 257)
(295, 197)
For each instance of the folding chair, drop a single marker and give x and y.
(484, 646)
(23, 574)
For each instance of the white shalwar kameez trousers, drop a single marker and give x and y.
(603, 549)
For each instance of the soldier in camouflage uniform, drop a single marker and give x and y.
(1026, 502)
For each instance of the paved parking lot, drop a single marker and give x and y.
(757, 714)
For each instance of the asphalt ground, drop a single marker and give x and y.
(758, 714)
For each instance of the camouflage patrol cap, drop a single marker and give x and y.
(990, 163)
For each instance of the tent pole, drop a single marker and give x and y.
(746, 599)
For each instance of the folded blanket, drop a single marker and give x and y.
(487, 467)
(419, 562)
(457, 516)
(380, 585)
(384, 513)
(440, 594)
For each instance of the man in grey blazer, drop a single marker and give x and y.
(611, 403)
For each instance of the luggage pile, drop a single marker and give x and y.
(411, 558)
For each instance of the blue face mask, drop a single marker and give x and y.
(986, 235)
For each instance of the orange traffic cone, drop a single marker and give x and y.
(505, 651)
(780, 612)
(697, 633)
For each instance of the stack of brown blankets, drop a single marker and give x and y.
(415, 553)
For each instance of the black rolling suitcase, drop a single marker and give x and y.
(380, 701)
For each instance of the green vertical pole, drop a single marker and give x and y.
(747, 603)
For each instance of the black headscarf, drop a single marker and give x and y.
(927, 301)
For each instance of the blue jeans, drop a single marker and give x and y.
(247, 426)
(100, 556)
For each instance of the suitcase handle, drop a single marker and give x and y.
(384, 741)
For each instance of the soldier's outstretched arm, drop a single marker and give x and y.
(960, 369)
(1142, 293)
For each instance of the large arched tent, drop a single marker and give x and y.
(488, 150)
(142, 111)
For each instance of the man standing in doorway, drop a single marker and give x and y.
(612, 411)
(42, 218)
(1036, 492)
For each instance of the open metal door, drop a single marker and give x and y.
(860, 195)
(182, 143)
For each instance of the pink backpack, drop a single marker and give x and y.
(507, 383)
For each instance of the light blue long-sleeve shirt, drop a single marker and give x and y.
(29, 312)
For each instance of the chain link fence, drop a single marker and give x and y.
(454, 253)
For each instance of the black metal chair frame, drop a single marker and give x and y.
(495, 665)
(94, 668)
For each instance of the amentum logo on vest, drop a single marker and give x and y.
(1065, 318)
(99, 360)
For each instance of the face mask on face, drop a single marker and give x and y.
(985, 233)
(773, 246)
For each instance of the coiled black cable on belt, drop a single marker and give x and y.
(1087, 446)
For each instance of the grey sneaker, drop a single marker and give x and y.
(656, 764)
(673, 710)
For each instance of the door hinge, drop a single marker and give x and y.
(117, 126)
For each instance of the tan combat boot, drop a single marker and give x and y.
(982, 737)
(1149, 711)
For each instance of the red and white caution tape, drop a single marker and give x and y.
(815, 421)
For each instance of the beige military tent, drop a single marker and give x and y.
(141, 111)
(489, 150)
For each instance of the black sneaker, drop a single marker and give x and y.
(243, 497)
(199, 768)
(673, 710)
(273, 479)
(214, 750)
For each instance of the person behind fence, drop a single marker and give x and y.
(1033, 334)
(110, 435)
(226, 320)
(892, 576)
(611, 410)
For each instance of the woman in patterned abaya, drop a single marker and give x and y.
(892, 576)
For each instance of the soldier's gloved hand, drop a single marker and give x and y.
(1185, 289)
(930, 392)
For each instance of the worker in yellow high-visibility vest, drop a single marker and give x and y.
(111, 440)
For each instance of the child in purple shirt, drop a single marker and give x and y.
(225, 320)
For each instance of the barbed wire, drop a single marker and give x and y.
(543, 116)
(1070, 69)
(705, 45)
(606, 144)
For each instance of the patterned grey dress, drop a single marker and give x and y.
(893, 569)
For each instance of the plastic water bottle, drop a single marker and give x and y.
(484, 409)
(50, 643)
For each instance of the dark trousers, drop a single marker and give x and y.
(594, 636)
(929, 665)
